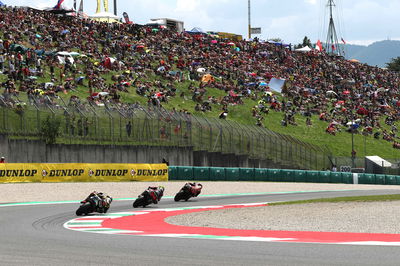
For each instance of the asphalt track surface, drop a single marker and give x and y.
(34, 235)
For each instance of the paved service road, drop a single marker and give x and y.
(34, 235)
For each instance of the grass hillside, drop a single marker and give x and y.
(339, 145)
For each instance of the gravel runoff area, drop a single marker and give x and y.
(354, 217)
(368, 217)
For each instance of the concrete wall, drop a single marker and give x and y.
(4, 146)
(33, 151)
(36, 151)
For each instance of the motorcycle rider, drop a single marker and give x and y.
(195, 188)
(103, 204)
(156, 193)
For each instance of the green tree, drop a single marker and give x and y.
(307, 42)
(394, 65)
(19, 109)
(50, 129)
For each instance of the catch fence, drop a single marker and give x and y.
(137, 125)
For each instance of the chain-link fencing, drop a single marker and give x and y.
(106, 123)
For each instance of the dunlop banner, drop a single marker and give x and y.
(78, 172)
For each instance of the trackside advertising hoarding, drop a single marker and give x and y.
(78, 172)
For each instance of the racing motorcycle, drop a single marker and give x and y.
(149, 196)
(95, 202)
(187, 191)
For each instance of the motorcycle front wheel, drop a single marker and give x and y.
(179, 196)
(139, 202)
(84, 209)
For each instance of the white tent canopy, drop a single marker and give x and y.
(104, 16)
(379, 161)
(305, 49)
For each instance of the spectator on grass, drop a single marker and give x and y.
(128, 128)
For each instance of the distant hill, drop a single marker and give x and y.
(376, 54)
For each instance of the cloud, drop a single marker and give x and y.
(187, 5)
(38, 4)
(312, 2)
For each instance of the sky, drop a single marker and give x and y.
(358, 21)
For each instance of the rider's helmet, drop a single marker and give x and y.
(162, 188)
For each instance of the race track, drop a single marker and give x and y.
(34, 235)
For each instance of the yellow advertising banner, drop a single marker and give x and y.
(80, 172)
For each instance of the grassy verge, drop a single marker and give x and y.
(393, 197)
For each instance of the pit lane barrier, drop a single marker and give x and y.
(190, 173)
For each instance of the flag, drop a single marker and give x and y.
(277, 84)
(126, 17)
(80, 11)
(319, 45)
(98, 8)
(58, 6)
(105, 3)
(343, 41)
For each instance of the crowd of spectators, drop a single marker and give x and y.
(347, 95)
